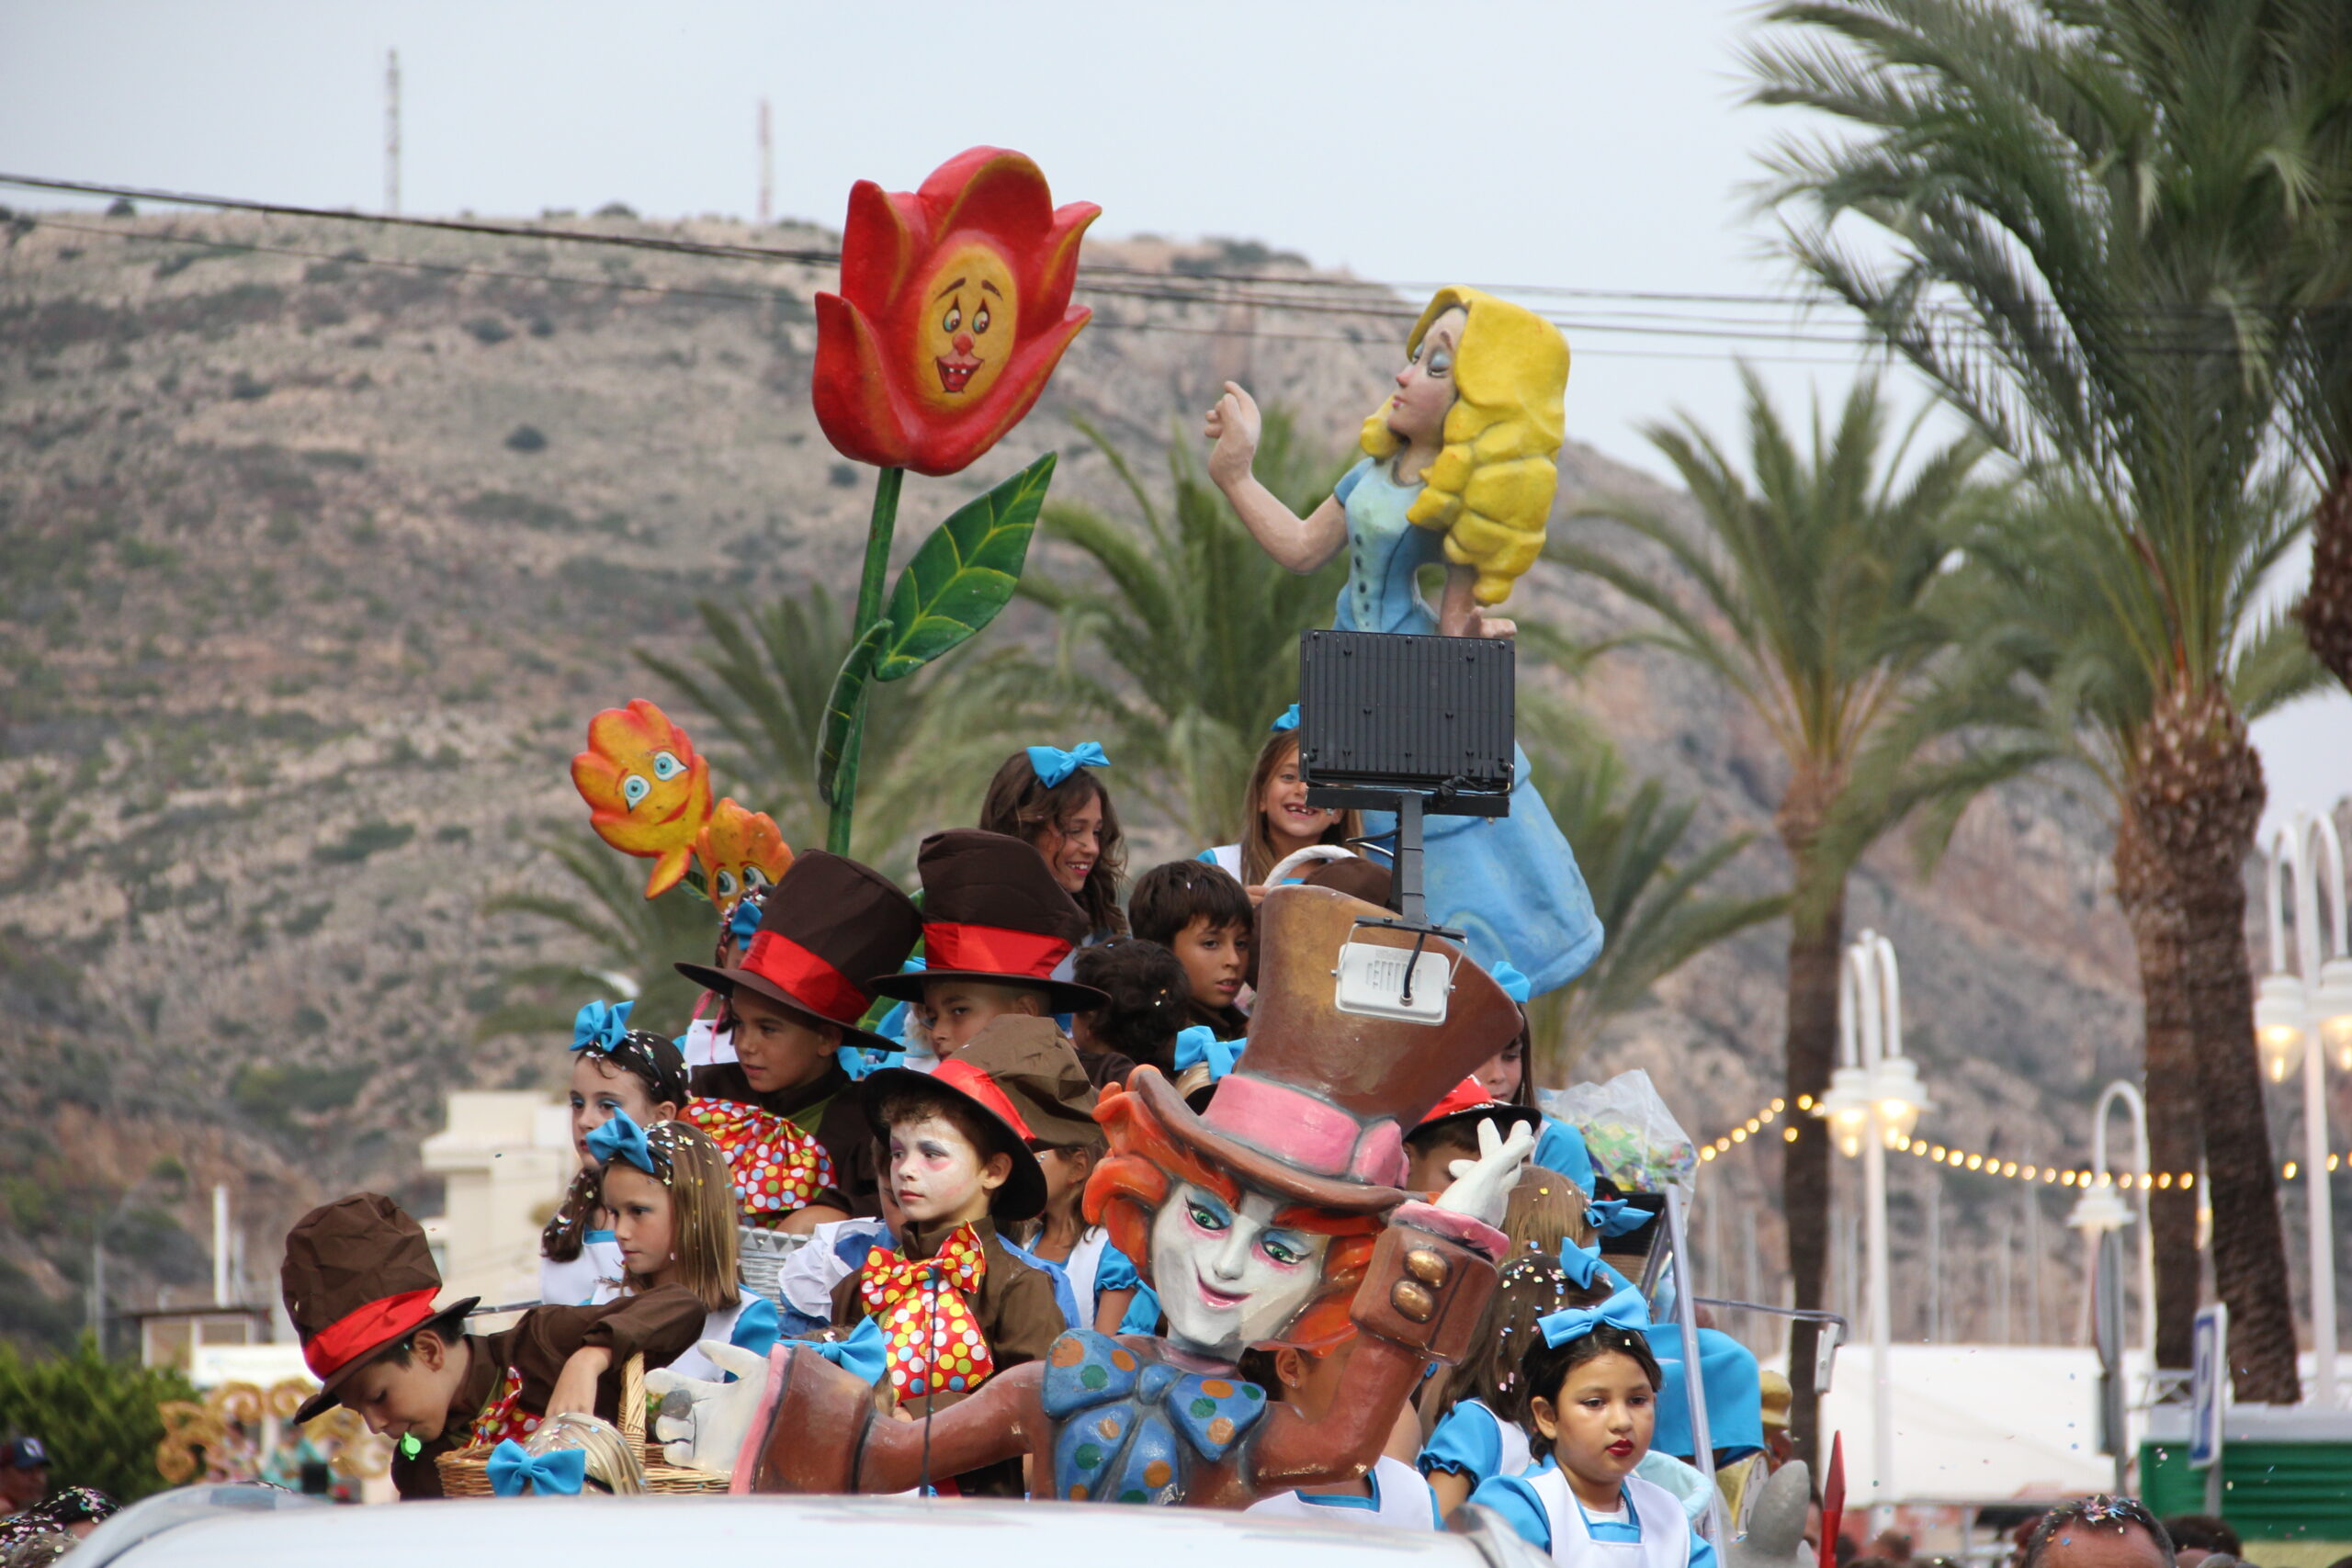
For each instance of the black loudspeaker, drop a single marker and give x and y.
(1411, 725)
(1382, 715)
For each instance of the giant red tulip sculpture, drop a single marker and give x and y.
(953, 311)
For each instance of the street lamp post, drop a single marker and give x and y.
(2317, 996)
(2100, 1211)
(1875, 1100)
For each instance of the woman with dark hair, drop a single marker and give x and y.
(1052, 801)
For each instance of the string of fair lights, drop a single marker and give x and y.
(1754, 1130)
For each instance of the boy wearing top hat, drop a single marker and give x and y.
(955, 1305)
(996, 931)
(796, 996)
(360, 1282)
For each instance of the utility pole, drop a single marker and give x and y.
(767, 167)
(392, 133)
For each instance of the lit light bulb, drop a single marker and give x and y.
(2279, 1025)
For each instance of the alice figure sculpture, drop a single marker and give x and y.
(1277, 1216)
(1458, 472)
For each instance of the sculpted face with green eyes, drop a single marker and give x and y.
(1227, 1276)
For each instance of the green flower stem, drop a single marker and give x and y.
(869, 610)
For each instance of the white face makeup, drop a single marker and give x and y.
(1227, 1278)
(934, 1173)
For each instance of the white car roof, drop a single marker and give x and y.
(722, 1530)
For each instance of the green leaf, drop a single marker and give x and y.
(840, 707)
(961, 577)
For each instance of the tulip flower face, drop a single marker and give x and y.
(953, 312)
(963, 338)
(647, 789)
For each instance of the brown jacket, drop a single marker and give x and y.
(1017, 1314)
(828, 1110)
(662, 1325)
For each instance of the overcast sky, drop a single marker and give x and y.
(1573, 145)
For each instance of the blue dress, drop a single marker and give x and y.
(1509, 883)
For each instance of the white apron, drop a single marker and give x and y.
(576, 1283)
(1400, 1500)
(1666, 1529)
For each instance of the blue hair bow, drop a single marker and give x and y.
(1583, 1265)
(621, 1138)
(1289, 720)
(515, 1470)
(1514, 984)
(1625, 1310)
(1052, 765)
(743, 923)
(600, 1025)
(862, 1355)
(1610, 1216)
(1198, 1046)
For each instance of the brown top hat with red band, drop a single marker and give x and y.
(358, 1278)
(1317, 1107)
(827, 926)
(1469, 1101)
(992, 912)
(1026, 1081)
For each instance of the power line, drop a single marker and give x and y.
(1223, 291)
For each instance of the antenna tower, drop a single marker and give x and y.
(392, 133)
(767, 165)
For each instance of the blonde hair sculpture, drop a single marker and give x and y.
(1490, 489)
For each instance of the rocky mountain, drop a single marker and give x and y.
(323, 540)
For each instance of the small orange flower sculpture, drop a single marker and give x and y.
(954, 309)
(648, 792)
(740, 850)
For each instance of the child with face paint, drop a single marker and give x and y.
(616, 1071)
(1276, 1218)
(1591, 1386)
(955, 1303)
(673, 1208)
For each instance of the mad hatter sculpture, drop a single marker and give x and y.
(1274, 1218)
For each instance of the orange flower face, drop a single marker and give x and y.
(740, 850)
(648, 792)
(953, 310)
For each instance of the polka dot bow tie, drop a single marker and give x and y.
(776, 1166)
(932, 1342)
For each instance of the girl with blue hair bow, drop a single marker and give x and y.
(1053, 801)
(616, 1071)
(673, 1203)
(1591, 1385)
(1276, 820)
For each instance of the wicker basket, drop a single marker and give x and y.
(465, 1472)
(759, 1254)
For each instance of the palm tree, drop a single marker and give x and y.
(763, 685)
(2086, 205)
(2318, 115)
(632, 940)
(1653, 904)
(1812, 573)
(1199, 624)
